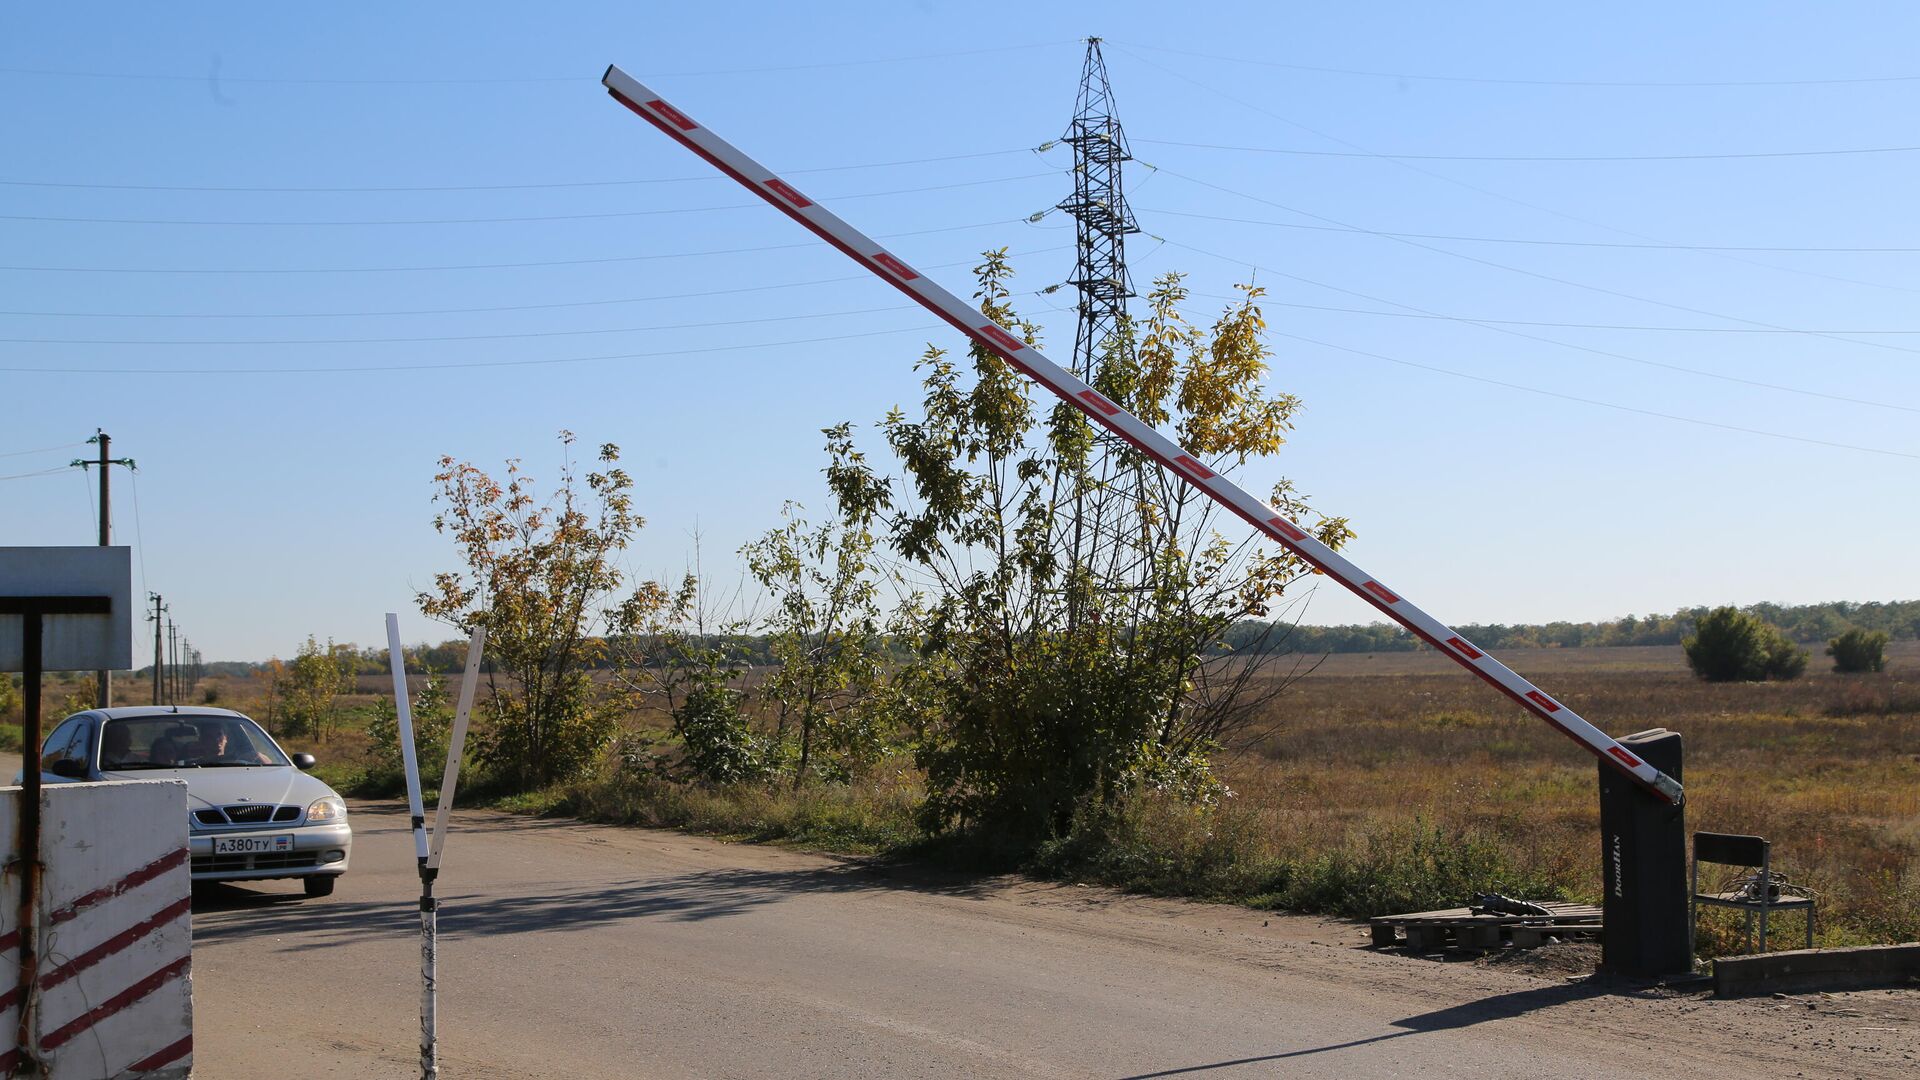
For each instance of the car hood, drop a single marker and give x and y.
(276, 784)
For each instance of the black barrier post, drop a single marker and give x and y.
(1643, 858)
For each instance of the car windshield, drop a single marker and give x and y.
(186, 742)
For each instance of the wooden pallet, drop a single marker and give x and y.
(1460, 928)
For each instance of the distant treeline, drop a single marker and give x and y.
(1805, 623)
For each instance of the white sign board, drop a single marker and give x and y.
(70, 642)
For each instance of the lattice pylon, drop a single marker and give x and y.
(1100, 213)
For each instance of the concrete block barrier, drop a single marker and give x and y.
(1859, 968)
(112, 992)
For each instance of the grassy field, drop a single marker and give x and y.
(1396, 782)
(1827, 767)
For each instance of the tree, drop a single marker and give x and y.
(310, 687)
(541, 576)
(9, 698)
(1859, 650)
(432, 714)
(1729, 645)
(1065, 593)
(696, 671)
(824, 631)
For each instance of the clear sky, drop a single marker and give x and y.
(288, 255)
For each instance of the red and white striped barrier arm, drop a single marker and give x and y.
(724, 156)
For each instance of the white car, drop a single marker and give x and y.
(252, 812)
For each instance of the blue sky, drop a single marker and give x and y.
(1509, 474)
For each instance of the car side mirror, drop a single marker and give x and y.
(303, 762)
(69, 768)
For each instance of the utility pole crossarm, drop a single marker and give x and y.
(655, 109)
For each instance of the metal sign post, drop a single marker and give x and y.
(427, 853)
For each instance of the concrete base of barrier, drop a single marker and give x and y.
(112, 989)
(1799, 970)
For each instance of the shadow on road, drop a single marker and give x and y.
(695, 897)
(1498, 1007)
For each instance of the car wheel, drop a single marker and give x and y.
(319, 886)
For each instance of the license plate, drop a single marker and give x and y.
(251, 845)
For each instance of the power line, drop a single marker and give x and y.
(501, 307)
(705, 178)
(449, 311)
(464, 266)
(1536, 243)
(1600, 83)
(501, 220)
(1490, 193)
(459, 365)
(215, 77)
(1802, 391)
(138, 535)
(1568, 282)
(456, 337)
(1537, 322)
(41, 450)
(41, 472)
(1293, 152)
(1599, 403)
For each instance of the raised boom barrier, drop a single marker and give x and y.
(757, 178)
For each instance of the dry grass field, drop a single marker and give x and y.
(1826, 766)
(1396, 781)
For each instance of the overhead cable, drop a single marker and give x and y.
(453, 365)
(668, 211)
(449, 337)
(216, 76)
(1629, 358)
(1492, 194)
(384, 313)
(40, 472)
(42, 450)
(1534, 243)
(1602, 404)
(460, 266)
(1568, 282)
(1296, 152)
(1598, 83)
(706, 178)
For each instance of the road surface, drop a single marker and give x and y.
(585, 951)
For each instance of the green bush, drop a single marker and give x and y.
(718, 743)
(1729, 645)
(1859, 650)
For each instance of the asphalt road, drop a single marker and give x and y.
(585, 951)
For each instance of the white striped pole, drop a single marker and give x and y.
(456, 745)
(758, 179)
(429, 929)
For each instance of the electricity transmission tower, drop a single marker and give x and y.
(1099, 209)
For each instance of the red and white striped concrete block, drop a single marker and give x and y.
(113, 991)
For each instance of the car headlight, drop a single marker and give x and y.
(326, 811)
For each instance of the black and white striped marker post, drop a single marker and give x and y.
(427, 851)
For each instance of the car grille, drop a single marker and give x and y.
(206, 864)
(246, 814)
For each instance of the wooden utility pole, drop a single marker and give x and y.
(104, 690)
(158, 625)
(173, 664)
